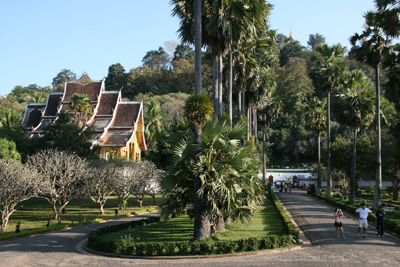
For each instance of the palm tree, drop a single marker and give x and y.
(230, 188)
(80, 106)
(329, 66)
(155, 125)
(316, 121)
(354, 106)
(370, 47)
(198, 44)
(268, 110)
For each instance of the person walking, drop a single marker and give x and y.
(379, 220)
(362, 214)
(338, 222)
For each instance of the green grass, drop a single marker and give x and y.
(33, 213)
(265, 221)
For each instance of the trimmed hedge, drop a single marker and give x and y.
(127, 245)
(290, 228)
(390, 225)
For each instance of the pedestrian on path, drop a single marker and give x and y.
(362, 214)
(338, 222)
(379, 221)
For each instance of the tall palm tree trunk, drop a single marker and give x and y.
(318, 189)
(230, 80)
(378, 182)
(239, 106)
(220, 70)
(215, 84)
(201, 227)
(197, 37)
(264, 156)
(328, 128)
(353, 168)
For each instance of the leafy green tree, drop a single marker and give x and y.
(315, 40)
(291, 49)
(8, 150)
(370, 47)
(156, 59)
(329, 66)
(353, 108)
(61, 78)
(316, 121)
(183, 51)
(116, 77)
(66, 136)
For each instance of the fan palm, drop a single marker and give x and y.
(326, 74)
(354, 107)
(229, 185)
(316, 121)
(370, 47)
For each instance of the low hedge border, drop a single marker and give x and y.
(290, 227)
(390, 225)
(62, 225)
(127, 245)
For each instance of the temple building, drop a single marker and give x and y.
(118, 125)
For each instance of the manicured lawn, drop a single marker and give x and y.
(265, 221)
(33, 213)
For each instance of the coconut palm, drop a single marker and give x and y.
(370, 47)
(354, 106)
(316, 122)
(328, 68)
(81, 108)
(155, 125)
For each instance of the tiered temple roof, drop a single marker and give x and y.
(118, 125)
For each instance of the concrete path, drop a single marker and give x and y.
(63, 248)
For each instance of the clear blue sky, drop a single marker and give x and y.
(39, 38)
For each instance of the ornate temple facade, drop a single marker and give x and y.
(118, 125)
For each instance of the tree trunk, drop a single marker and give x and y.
(328, 128)
(378, 182)
(215, 85)
(318, 189)
(4, 222)
(220, 87)
(396, 184)
(255, 122)
(264, 157)
(248, 123)
(230, 81)
(239, 106)
(353, 168)
(101, 208)
(198, 44)
(202, 226)
(53, 206)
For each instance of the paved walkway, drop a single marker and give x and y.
(63, 248)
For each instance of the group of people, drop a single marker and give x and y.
(362, 214)
(285, 186)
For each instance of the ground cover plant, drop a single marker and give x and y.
(33, 214)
